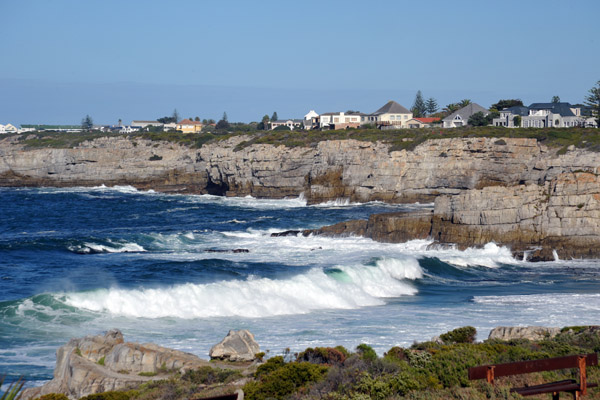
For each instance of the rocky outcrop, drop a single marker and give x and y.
(350, 169)
(236, 346)
(539, 222)
(514, 191)
(95, 364)
(534, 333)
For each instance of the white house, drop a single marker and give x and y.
(143, 124)
(391, 115)
(542, 115)
(8, 128)
(341, 120)
(129, 129)
(290, 123)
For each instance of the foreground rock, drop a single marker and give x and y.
(237, 346)
(95, 364)
(534, 333)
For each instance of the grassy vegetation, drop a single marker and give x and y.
(423, 371)
(398, 139)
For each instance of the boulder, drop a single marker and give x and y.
(96, 364)
(523, 332)
(237, 346)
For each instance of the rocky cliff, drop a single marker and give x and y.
(359, 171)
(513, 191)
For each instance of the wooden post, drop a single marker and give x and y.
(490, 374)
(555, 395)
(582, 375)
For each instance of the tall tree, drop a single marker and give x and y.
(502, 104)
(450, 108)
(419, 109)
(593, 101)
(274, 117)
(431, 105)
(87, 123)
(223, 124)
(478, 119)
(175, 116)
(264, 123)
(555, 99)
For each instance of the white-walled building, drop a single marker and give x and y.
(8, 128)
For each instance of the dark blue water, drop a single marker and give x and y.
(162, 268)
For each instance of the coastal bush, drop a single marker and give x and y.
(284, 380)
(53, 396)
(113, 395)
(366, 352)
(210, 376)
(323, 355)
(101, 360)
(466, 334)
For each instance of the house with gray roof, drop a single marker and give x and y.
(391, 115)
(542, 115)
(508, 116)
(461, 117)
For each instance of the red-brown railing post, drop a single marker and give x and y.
(582, 375)
(490, 374)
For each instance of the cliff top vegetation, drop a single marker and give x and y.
(588, 138)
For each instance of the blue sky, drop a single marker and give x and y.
(140, 59)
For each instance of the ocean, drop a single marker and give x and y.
(161, 268)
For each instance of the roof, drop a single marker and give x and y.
(189, 122)
(146, 122)
(517, 110)
(391, 107)
(564, 109)
(467, 111)
(427, 120)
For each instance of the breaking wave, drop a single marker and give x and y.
(317, 289)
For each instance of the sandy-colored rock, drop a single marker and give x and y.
(236, 346)
(523, 332)
(95, 364)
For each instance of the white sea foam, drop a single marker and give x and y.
(345, 288)
(88, 248)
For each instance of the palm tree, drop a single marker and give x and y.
(464, 103)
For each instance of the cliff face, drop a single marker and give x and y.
(511, 191)
(359, 171)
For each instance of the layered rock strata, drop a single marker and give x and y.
(560, 218)
(350, 169)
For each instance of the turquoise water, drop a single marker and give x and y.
(159, 267)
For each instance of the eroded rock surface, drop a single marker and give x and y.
(95, 364)
(534, 333)
(236, 346)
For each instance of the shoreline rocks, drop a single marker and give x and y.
(236, 346)
(515, 191)
(95, 364)
(559, 219)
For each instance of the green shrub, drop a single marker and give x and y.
(101, 360)
(395, 354)
(112, 395)
(323, 355)
(147, 374)
(466, 334)
(366, 352)
(284, 380)
(209, 376)
(53, 396)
